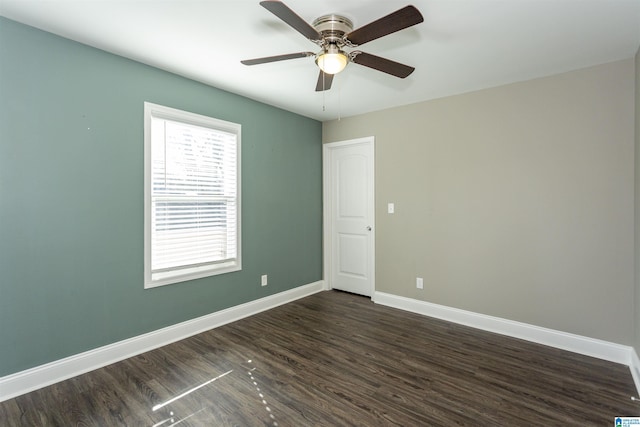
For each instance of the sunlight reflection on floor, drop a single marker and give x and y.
(214, 405)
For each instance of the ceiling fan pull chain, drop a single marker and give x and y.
(323, 92)
(339, 100)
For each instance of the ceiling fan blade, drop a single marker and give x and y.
(266, 59)
(324, 81)
(382, 64)
(396, 21)
(289, 17)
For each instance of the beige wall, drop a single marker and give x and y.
(637, 203)
(516, 201)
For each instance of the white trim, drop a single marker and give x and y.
(634, 367)
(576, 343)
(326, 215)
(41, 376)
(328, 202)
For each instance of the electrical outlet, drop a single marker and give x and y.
(263, 280)
(419, 283)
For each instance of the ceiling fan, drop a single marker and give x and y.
(333, 33)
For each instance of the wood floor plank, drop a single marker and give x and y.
(338, 359)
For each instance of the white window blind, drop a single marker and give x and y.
(193, 196)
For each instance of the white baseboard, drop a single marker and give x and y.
(634, 367)
(41, 376)
(576, 343)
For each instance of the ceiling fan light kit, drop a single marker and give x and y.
(333, 33)
(332, 28)
(332, 60)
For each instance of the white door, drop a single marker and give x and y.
(349, 215)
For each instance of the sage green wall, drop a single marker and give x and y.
(71, 199)
(515, 201)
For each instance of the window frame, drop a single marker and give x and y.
(182, 274)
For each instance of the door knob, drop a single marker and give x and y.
(368, 228)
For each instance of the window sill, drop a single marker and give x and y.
(186, 274)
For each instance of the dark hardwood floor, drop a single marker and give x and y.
(335, 359)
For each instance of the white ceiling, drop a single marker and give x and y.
(463, 45)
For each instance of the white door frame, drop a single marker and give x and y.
(327, 206)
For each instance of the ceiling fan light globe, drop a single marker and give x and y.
(332, 63)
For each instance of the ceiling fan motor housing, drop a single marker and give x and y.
(332, 28)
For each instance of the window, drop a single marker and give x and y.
(192, 196)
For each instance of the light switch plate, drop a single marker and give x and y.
(391, 208)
